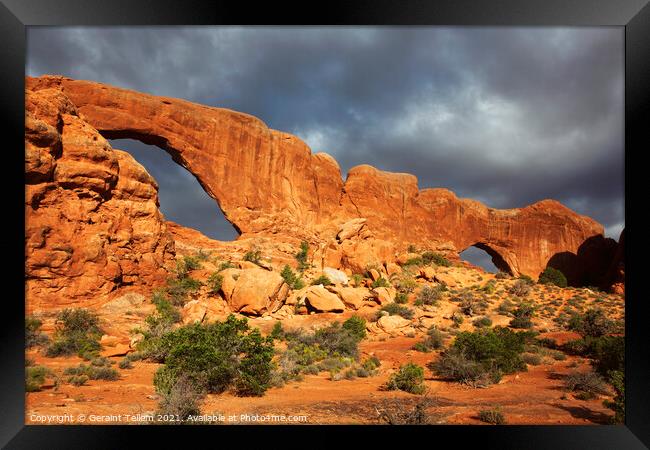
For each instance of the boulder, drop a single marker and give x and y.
(256, 291)
(384, 295)
(393, 269)
(427, 272)
(390, 324)
(350, 229)
(320, 299)
(355, 298)
(336, 276)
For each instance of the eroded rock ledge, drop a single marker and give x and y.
(268, 183)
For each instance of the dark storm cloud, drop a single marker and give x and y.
(509, 116)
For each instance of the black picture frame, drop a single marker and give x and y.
(16, 15)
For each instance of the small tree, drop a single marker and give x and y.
(551, 275)
(301, 256)
(409, 378)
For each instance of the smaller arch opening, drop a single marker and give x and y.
(485, 257)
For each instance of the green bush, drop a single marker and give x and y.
(181, 399)
(356, 279)
(125, 363)
(253, 256)
(380, 282)
(483, 356)
(592, 323)
(293, 280)
(322, 280)
(371, 363)
(217, 356)
(520, 288)
(429, 295)
(301, 256)
(526, 279)
(92, 372)
(482, 322)
(501, 275)
(433, 341)
(226, 265)
(401, 298)
(409, 378)
(178, 290)
(277, 332)
(35, 377)
(33, 335)
(356, 326)
(489, 287)
(215, 281)
(607, 352)
(522, 316)
(551, 275)
(395, 309)
(588, 384)
(436, 258)
(77, 332)
(492, 416)
(617, 380)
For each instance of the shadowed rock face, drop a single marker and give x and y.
(268, 183)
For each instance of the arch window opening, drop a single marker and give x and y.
(181, 197)
(482, 256)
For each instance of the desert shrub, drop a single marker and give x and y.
(409, 378)
(493, 416)
(253, 255)
(291, 278)
(125, 363)
(226, 265)
(533, 359)
(322, 280)
(551, 275)
(380, 282)
(489, 287)
(185, 265)
(506, 307)
(457, 319)
(415, 261)
(158, 324)
(92, 372)
(301, 256)
(332, 349)
(547, 342)
(483, 355)
(482, 322)
(429, 295)
(191, 262)
(435, 258)
(356, 279)
(395, 309)
(434, 340)
(588, 384)
(606, 352)
(33, 335)
(77, 332)
(355, 326)
(522, 316)
(526, 279)
(217, 356)
(405, 284)
(178, 290)
(215, 281)
(35, 377)
(617, 380)
(78, 380)
(371, 363)
(500, 275)
(202, 255)
(592, 323)
(181, 400)
(277, 332)
(470, 304)
(398, 411)
(412, 248)
(520, 288)
(401, 298)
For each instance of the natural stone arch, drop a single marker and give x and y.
(269, 183)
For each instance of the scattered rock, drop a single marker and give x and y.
(336, 276)
(321, 300)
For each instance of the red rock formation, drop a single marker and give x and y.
(92, 219)
(268, 183)
(615, 277)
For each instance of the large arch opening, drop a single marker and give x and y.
(182, 199)
(485, 257)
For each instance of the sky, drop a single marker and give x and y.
(508, 116)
